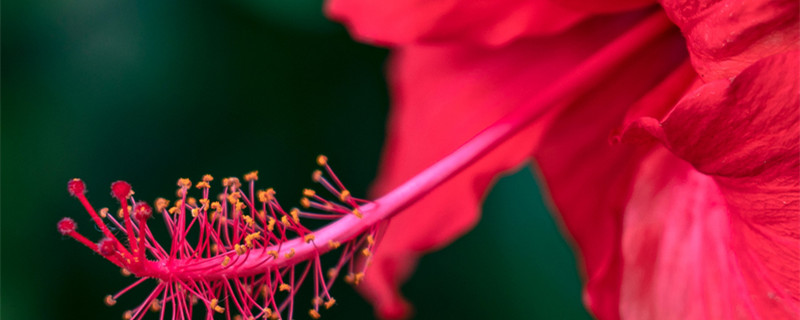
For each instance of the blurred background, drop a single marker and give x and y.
(150, 91)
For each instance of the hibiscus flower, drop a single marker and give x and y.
(690, 212)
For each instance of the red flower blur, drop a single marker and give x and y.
(694, 215)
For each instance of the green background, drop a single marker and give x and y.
(150, 91)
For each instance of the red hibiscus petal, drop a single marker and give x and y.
(605, 6)
(589, 181)
(724, 37)
(720, 239)
(682, 260)
(446, 94)
(489, 23)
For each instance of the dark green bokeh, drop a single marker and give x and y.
(150, 91)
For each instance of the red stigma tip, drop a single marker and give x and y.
(67, 226)
(261, 256)
(120, 190)
(106, 247)
(142, 211)
(76, 187)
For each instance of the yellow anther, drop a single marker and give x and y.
(215, 248)
(226, 182)
(195, 211)
(204, 202)
(184, 183)
(202, 184)
(365, 252)
(285, 221)
(359, 276)
(322, 160)
(121, 213)
(289, 254)
(240, 206)
(216, 206)
(127, 315)
(103, 212)
(284, 287)
(270, 194)
(333, 244)
(262, 215)
(264, 291)
(271, 225)
(173, 210)
(213, 305)
(252, 237)
(314, 314)
(345, 194)
(308, 238)
(191, 201)
(370, 239)
(358, 213)
(273, 253)
(267, 312)
(234, 198)
(234, 182)
(252, 176)
(109, 300)
(305, 202)
(240, 249)
(237, 317)
(316, 175)
(332, 273)
(161, 204)
(178, 203)
(350, 278)
(208, 178)
(249, 221)
(124, 272)
(222, 219)
(226, 261)
(308, 193)
(155, 306)
(262, 196)
(316, 301)
(330, 303)
(295, 213)
(180, 193)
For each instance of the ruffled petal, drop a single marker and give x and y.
(589, 181)
(490, 23)
(443, 95)
(725, 37)
(717, 236)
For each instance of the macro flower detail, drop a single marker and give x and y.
(689, 212)
(745, 184)
(658, 227)
(250, 256)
